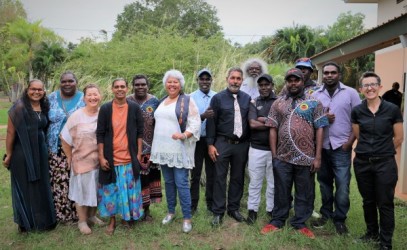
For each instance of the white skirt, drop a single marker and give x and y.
(83, 188)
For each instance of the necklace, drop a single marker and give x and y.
(38, 113)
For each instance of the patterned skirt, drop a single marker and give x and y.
(122, 197)
(59, 178)
(150, 176)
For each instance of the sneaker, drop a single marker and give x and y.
(269, 228)
(315, 215)
(168, 219)
(320, 223)
(341, 228)
(186, 226)
(305, 231)
(252, 217)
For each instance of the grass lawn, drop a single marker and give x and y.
(230, 235)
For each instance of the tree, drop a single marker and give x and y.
(185, 17)
(48, 57)
(11, 10)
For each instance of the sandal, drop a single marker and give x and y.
(84, 228)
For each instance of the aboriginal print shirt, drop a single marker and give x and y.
(296, 121)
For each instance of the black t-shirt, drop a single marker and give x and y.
(260, 107)
(376, 130)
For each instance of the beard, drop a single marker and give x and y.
(251, 81)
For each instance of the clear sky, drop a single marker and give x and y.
(243, 21)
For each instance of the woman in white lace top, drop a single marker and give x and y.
(176, 131)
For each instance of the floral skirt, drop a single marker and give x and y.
(59, 178)
(123, 197)
(150, 176)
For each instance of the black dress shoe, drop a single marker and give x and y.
(236, 215)
(217, 220)
(252, 217)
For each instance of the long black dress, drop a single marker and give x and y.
(30, 186)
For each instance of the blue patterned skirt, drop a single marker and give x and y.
(123, 197)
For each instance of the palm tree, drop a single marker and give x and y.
(46, 59)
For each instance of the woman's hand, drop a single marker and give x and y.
(179, 136)
(104, 164)
(69, 162)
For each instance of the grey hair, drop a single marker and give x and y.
(247, 63)
(176, 74)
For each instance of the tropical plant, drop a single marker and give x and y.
(46, 59)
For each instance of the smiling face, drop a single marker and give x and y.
(265, 87)
(294, 85)
(119, 90)
(204, 82)
(140, 88)
(68, 85)
(370, 88)
(92, 97)
(173, 87)
(35, 91)
(234, 79)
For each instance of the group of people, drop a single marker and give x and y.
(111, 158)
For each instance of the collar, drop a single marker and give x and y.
(340, 87)
(201, 93)
(269, 97)
(299, 96)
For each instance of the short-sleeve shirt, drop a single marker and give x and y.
(202, 101)
(340, 103)
(260, 107)
(80, 133)
(376, 130)
(296, 121)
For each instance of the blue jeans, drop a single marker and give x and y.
(335, 167)
(285, 175)
(177, 179)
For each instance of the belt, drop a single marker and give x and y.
(230, 141)
(374, 159)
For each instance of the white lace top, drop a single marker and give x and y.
(165, 150)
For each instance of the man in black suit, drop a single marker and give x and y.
(227, 138)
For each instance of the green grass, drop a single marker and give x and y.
(230, 235)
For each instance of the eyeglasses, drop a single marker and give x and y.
(367, 85)
(35, 90)
(330, 72)
(68, 81)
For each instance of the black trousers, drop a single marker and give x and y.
(376, 182)
(235, 156)
(201, 155)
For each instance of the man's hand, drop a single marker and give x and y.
(6, 161)
(207, 114)
(347, 146)
(331, 117)
(213, 152)
(315, 165)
